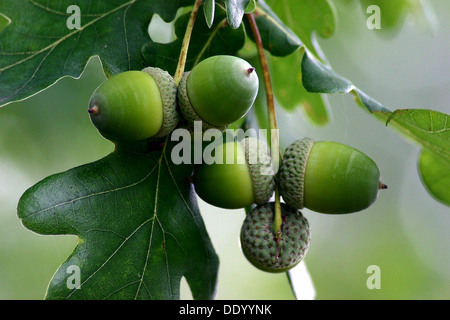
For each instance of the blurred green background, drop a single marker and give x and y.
(405, 233)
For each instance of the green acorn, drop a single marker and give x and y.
(328, 177)
(240, 174)
(135, 105)
(218, 91)
(265, 250)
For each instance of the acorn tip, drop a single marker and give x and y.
(93, 110)
(383, 186)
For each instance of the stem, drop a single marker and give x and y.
(185, 45)
(274, 138)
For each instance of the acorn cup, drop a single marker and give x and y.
(328, 177)
(271, 252)
(135, 105)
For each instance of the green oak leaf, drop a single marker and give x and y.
(307, 19)
(431, 130)
(206, 41)
(251, 6)
(435, 175)
(276, 37)
(286, 49)
(4, 22)
(138, 224)
(289, 91)
(38, 47)
(318, 77)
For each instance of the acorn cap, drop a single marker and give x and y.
(186, 108)
(168, 91)
(264, 249)
(260, 166)
(292, 172)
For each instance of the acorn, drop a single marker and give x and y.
(271, 252)
(240, 174)
(218, 91)
(328, 177)
(135, 105)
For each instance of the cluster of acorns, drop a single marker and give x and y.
(326, 177)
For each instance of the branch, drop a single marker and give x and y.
(185, 45)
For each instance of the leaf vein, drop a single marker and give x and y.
(92, 195)
(112, 255)
(56, 43)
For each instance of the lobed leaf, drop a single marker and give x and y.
(38, 47)
(307, 19)
(138, 223)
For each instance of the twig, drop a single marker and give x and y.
(274, 138)
(185, 45)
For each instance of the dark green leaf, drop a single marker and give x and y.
(205, 42)
(208, 10)
(38, 48)
(4, 22)
(251, 6)
(320, 78)
(276, 37)
(427, 127)
(139, 228)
